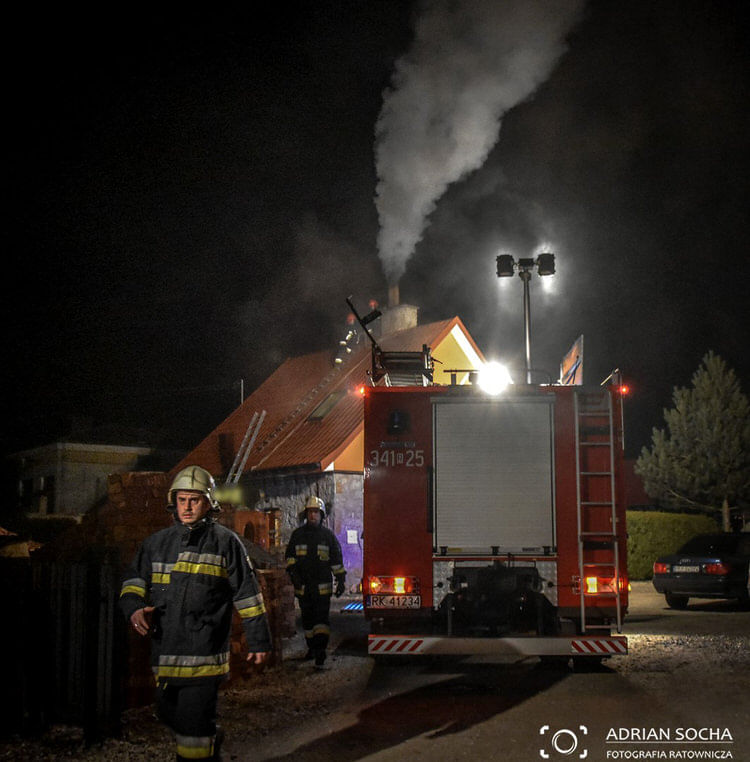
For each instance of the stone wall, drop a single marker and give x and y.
(342, 494)
(349, 524)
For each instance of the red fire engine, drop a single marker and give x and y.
(494, 525)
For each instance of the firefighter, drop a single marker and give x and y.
(180, 590)
(312, 555)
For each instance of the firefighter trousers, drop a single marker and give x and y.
(315, 621)
(190, 711)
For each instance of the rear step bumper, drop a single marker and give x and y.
(413, 645)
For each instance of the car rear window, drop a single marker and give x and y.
(708, 544)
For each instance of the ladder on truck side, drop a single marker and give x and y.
(598, 546)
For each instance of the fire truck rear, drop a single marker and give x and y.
(494, 525)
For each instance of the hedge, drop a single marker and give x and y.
(653, 533)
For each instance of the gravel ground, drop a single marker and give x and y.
(276, 699)
(707, 655)
(295, 694)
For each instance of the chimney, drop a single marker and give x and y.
(393, 296)
(398, 317)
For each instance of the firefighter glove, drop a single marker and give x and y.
(340, 587)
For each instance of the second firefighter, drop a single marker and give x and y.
(313, 555)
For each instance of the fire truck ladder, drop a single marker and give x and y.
(598, 547)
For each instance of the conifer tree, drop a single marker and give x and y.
(702, 458)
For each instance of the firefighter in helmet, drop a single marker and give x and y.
(312, 556)
(180, 591)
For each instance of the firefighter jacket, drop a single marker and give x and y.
(312, 555)
(193, 575)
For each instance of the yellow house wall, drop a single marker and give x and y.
(353, 456)
(451, 356)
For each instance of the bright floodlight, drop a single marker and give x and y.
(494, 378)
(505, 265)
(545, 263)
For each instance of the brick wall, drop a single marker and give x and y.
(134, 509)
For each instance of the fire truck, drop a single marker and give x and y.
(495, 525)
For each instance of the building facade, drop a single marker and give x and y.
(65, 479)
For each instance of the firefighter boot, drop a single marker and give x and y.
(320, 658)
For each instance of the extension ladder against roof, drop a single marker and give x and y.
(238, 466)
(598, 529)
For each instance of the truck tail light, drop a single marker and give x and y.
(596, 585)
(395, 585)
(660, 568)
(719, 568)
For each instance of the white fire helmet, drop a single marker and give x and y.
(194, 479)
(313, 502)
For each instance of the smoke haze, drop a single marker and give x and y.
(470, 62)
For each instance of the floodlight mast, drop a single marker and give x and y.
(545, 265)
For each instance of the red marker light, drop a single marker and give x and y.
(361, 391)
(624, 390)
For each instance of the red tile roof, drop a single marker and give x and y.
(287, 439)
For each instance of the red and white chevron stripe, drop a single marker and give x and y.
(598, 646)
(386, 645)
(525, 646)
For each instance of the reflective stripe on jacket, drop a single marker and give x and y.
(193, 576)
(312, 555)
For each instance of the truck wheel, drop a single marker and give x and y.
(587, 663)
(554, 663)
(676, 601)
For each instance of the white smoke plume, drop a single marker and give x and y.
(470, 62)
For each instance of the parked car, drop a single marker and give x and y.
(706, 566)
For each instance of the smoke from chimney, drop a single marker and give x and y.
(471, 61)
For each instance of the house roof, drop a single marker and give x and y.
(288, 437)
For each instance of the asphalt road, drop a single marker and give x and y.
(683, 692)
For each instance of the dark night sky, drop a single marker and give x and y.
(192, 201)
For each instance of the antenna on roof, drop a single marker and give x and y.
(378, 369)
(363, 321)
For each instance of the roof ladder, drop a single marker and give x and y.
(598, 537)
(244, 451)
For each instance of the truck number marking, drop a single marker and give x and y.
(392, 458)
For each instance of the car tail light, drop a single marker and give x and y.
(395, 585)
(660, 568)
(719, 568)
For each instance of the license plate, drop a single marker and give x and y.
(686, 569)
(395, 601)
